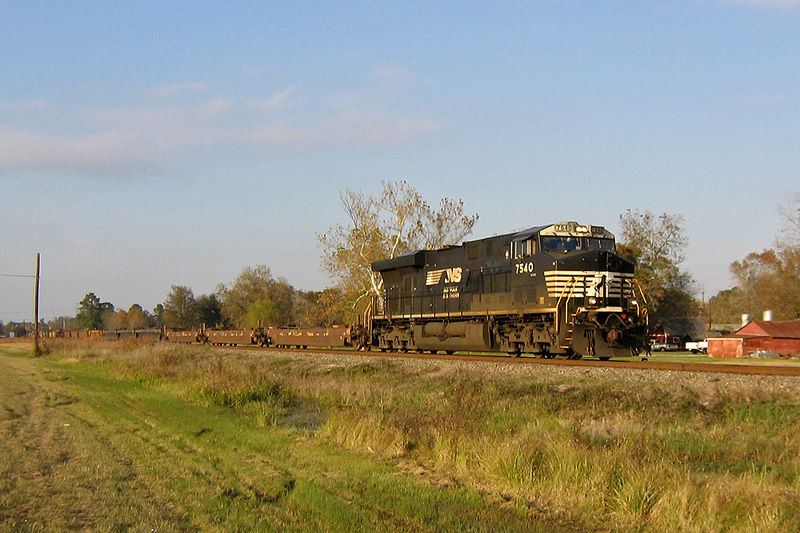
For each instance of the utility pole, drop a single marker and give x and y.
(36, 351)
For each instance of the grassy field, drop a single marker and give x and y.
(182, 438)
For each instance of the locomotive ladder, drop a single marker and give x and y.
(566, 296)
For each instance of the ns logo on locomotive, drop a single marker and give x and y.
(551, 290)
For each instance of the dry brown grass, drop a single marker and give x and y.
(605, 455)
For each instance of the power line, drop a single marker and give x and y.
(16, 276)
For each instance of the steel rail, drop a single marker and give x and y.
(722, 368)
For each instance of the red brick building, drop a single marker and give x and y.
(777, 337)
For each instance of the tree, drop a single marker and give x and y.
(62, 322)
(383, 227)
(262, 313)
(770, 280)
(180, 308)
(90, 312)
(138, 318)
(115, 320)
(256, 284)
(323, 308)
(655, 244)
(158, 316)
(209, 311)
(727, 307)
(789, 237)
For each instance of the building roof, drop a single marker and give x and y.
(765, 328)
(684, 327)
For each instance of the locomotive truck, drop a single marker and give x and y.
(560, 289)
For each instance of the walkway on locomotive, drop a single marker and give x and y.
(524, 272)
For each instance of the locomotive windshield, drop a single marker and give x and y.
(566, 244)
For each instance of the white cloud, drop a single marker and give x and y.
(90, 152)
(361, 127)
(217, 106)
(276, 102)
(118, 141)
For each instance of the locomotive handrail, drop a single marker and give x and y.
(571, 287)
(641, 310)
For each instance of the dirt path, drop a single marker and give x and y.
(57, 471)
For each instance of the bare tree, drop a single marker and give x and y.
(789, 236)
(383, 227)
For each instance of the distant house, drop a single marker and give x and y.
(759, 335)
(677, 332)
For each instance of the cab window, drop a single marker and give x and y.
(521, 249)
(602, 244)
(563, 244)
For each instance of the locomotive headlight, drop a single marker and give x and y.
(592, 301)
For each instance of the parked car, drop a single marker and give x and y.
(697, 347)
(664, 347)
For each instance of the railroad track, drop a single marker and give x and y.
(722, 368)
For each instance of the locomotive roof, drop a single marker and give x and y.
(567, 229)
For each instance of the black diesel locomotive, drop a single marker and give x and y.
(552, 290)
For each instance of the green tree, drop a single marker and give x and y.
(20, 330)
(383, 227)
(727, 307)
(180, 308)
(158, 316)
(209, 311)
(253, 285)
(655, 244)
(262, 313)
(90, 312)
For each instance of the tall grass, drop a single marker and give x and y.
(606, 455)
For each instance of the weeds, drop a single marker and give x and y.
(600, 454)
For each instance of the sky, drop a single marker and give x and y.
(149, 144)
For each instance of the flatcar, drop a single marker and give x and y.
(560, 289)
(232, 337)
(341, 336)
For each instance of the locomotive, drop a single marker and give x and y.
(560, 289)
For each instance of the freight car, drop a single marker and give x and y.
(304, 337)
(560, 289)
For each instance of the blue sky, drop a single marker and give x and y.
(150, 144)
